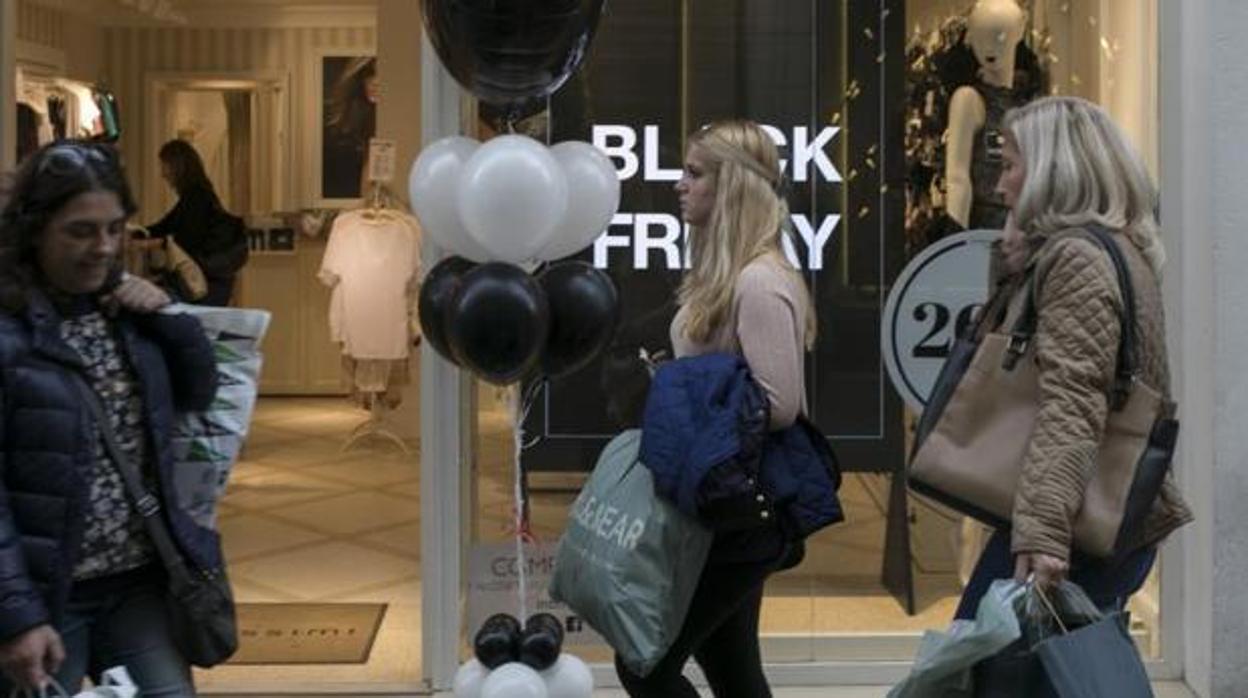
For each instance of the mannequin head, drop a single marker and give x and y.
(993, 31)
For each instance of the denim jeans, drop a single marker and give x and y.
(1109, 583)
(121, 619)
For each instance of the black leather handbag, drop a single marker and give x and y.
(199, 602)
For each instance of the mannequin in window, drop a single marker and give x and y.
(973, 153)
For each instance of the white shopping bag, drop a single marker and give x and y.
(114, 683)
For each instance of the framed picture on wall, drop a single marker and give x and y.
(349, 93)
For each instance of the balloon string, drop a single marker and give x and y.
(522, 402)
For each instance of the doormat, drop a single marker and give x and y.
(307, 633)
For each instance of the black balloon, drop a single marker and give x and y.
(584, 314)
(541, 642)
(498, 322)
(439, 289)
(498, 641)
(510, 52)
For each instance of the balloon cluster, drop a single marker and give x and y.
(499, 322)
(516, 662)
(512, 53)
(512, 199)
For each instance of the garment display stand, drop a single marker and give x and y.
(377, 424)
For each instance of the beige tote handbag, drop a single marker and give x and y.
(973, 435)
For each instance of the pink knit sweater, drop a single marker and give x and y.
(767, 326)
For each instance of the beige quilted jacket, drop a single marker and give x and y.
(1076, 349)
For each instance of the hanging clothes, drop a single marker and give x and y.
(35, 94)
(87, 123)
(58, 116)
(373, 266)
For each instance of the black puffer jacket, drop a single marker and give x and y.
(46, 433)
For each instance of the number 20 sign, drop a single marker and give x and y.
(933, 300)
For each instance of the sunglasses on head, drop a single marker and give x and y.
(70, 157)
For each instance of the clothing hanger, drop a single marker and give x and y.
(378, 208)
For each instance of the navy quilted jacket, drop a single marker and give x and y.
(705, 438)
(46, 440)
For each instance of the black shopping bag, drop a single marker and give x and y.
(1014, 672)
(1060, 616)
(1095, 661)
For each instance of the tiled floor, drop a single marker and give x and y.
(303, 521)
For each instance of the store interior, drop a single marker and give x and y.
(323, 506)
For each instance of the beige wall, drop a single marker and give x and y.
(399, 32)
(84, 49)
(69, 44)
(132, 54)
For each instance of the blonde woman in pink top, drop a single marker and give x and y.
(741, 296)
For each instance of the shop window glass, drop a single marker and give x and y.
(833, 81)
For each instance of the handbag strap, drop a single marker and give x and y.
(145, 503)
(1125, 371)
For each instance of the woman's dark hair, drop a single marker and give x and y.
(350, 113)
(186, 169)
(49, 179)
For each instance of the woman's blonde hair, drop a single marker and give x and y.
(747, 222)
(1081, 169)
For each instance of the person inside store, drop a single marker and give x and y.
(741, 295)
(199, 223)
(350, 121)
(1069, 167)
(81, 587)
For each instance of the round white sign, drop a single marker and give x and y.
(934, 298)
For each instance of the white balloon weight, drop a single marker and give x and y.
(593, 198)
(432, 184)
(512, 196)
(569, 677)
(514, 680)
(469, 678)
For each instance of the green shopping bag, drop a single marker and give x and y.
(628, 562)
(942, 667)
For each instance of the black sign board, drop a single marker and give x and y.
(826, 77)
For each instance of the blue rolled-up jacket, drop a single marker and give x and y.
(705, 438)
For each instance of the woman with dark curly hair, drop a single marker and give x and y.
(83, 588)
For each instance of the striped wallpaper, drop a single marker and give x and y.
(131, 53)
(40, 25)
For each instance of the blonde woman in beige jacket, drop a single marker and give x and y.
(1067, 167)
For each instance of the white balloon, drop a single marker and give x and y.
(432, 184)
(593, 198)
(514, 680)
(469, 678)
(512, 196)
(569, 677)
